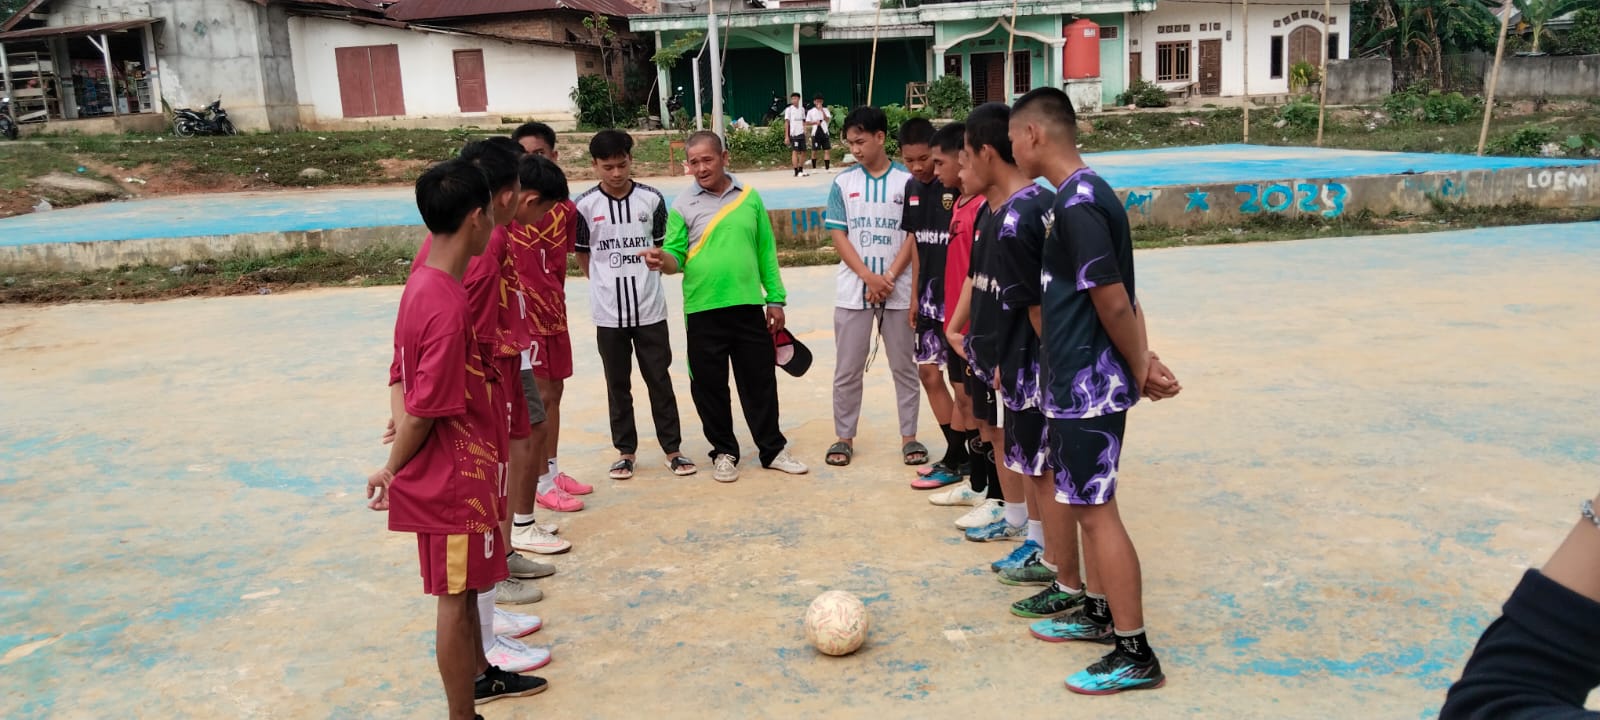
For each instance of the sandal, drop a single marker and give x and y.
(622, 469)
(915, 453)
(840, 449)
(681, 466)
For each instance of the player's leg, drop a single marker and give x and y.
(978, 479)
(1027, 454)
(554, 368)
(852, 337)
(653, 345)
(616, 361)
(755, 374)
(931, 357)
(710, 346)
(455, 643)
(526, 533)
(899, 344)
(1013, 524)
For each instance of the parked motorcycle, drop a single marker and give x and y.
(213, 120)
(8, 124)
(774, 110)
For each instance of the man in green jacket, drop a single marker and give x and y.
(719, 234)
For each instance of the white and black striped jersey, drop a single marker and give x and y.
(623, 291)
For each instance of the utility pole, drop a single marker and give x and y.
(1494, 75)
(716, 69)
(1322, 103)
(1247, 72)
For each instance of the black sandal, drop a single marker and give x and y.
(915, 453)
(682, 466)
(622, 469)
(839, 448)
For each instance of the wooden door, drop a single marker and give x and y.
(386, 89)
(369, 80)
(1211, 67)
(1305, 45)
(1135, 67)
(988, 78)
(471, 91)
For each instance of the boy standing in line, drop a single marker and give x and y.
(983, 490)
(618, 219)
(865, 207)
(794, 122)
(719, 234)
(926, 220)
(819, 118)
(443, 477)
(1097, 364)
(541, 251)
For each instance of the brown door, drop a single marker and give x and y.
(471, 91)
(1305, 45)
(369, 80)
(1211, 67)
(1135, 67)
(988, 77)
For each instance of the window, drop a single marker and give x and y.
(1172, 61)
(1277, 57)
(952, 65)
(1108, 32)
(1021, 72)
(1333, 46)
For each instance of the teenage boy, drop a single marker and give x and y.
(443, 477)
(926, 221)
(794, 122)
(719, 234)
(542, 268)
(618, 219)
(1097, 364)
(819, 118)
(983, 489)
(872, 286)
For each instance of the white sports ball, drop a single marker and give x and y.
(836, 623)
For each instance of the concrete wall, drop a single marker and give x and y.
(1143, 35)
(1362, 81)
(277, 69)
(1547, 76)
(1113, 57)
(528, 81)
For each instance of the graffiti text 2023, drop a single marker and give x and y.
(1325, 198)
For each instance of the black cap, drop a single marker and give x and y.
(793, 356)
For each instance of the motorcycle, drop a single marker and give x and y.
(774, 110)
(213, 120)
(8, 124)
(675, 103)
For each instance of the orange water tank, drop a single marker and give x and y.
(1080, 58)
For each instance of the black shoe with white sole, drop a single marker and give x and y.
(497, 683)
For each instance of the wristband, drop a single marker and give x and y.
(1588, 512)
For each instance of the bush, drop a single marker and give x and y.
(1583, 38)
(1418, 103)
(1300, 114)
(1143, 94)
(1525, 141)
(599, 103)
(759, 143)
(949, 97)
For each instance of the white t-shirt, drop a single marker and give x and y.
(623, 291)
(796, 117)
(869, 210)
(820, 116)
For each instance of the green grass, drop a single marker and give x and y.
(20, 163)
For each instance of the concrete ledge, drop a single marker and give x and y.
(174, 251)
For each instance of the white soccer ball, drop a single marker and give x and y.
(836, 623)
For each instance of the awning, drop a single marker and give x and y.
(76, 30)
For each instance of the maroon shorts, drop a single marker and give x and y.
(552, 356)
(454, 564)
(516, 401)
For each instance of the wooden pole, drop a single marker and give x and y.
(1322, 102)
(1246, 72)
(1011, 41)
(872, 67)
(1494, 75)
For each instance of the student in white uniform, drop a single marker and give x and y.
(794, 121)
(819, 119)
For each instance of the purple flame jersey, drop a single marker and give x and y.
(1004, 286)
(1089, 246)
(927, 218)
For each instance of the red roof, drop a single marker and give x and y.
(414, 10)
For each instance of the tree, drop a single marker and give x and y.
(1417, 34)
(1538, 13)
(9, 8)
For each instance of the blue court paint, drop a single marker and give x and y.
(291, 211)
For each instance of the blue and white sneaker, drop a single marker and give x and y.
(1115, 673)
(1018, 556)
(999, 530)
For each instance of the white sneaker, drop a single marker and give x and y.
(724, 469)
(991, 511)
(515, 625)
(512, 656)
(957, 494)
(785, 462)
(533, 539)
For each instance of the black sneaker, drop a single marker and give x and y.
(1049, 602)
(497, 683)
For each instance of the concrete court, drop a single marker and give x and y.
(1377, 436)
(305, 210)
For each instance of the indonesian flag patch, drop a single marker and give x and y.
(914, 201)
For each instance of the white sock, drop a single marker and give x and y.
(547, 482)
(486, 618)
(1016, 513)
(554, 465)
(520, 519)
(1048, 565)
(1036, 531)
(1065, 589)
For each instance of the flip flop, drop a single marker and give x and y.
(682, 466)
(915, 453)
(622, 469)
(840, 448)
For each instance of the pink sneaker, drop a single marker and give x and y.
(559, 500)
(571, 485)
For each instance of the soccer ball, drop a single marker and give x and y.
(836, 623)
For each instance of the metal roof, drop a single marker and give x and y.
(409, 10)
(40, 33)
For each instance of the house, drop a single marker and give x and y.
(1091, 48)
(97, 65)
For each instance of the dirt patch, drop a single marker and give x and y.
(402, 169)
(16, 202)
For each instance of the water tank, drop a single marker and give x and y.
(1080, 58)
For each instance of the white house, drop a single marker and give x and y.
(1201, 44)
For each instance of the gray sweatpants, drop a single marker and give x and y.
(852, 336)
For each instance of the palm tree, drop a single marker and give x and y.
(1537, 13)
(1417, 34)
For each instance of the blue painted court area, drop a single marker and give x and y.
(1376, 437)
(288, 211)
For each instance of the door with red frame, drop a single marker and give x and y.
(471, 91)
(369, 81)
